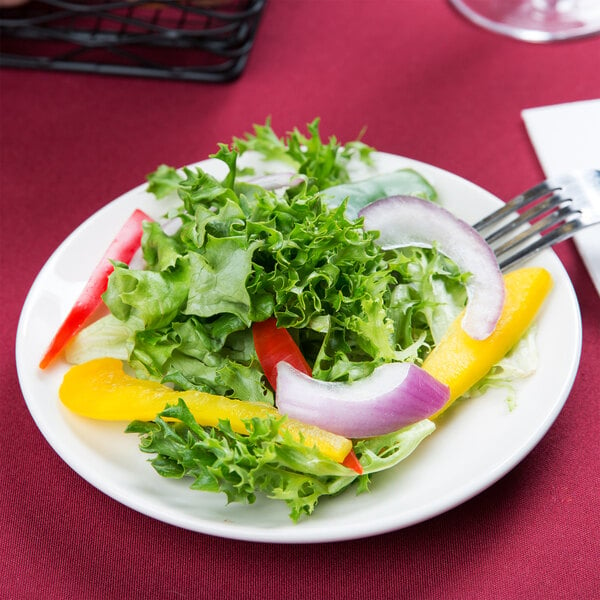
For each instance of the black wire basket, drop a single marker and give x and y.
(200, 40)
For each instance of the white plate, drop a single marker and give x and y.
(476, 443)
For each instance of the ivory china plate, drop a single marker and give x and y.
(477, 442)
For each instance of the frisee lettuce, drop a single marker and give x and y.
(325, 163)
(163, 181)
(267, 460)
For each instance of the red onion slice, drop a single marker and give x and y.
(277, 181)
(410, 221)
(393, 396)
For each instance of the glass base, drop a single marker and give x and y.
(534, 20)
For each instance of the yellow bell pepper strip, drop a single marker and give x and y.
(100, 389)
(460, 362)
(122, 249)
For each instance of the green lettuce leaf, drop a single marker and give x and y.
(106, 337)
(163, 181)
(324, 163)
(147, 299)
(520, 362)
(359, 194)
(218, 277)
(386, 451)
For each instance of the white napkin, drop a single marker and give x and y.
(567, 137)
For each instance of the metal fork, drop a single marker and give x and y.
(552, 211)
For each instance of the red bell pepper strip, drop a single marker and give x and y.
(351, 461)
(274, 345)
(122, 249)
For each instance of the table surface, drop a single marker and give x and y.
(425, 84)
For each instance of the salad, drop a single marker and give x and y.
(269, 338)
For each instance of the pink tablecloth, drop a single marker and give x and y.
(427, 85)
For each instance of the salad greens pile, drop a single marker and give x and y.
(241, 254)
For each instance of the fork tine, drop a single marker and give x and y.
(549, 221)
(532, 194)
(535, 211)
(563, 232)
